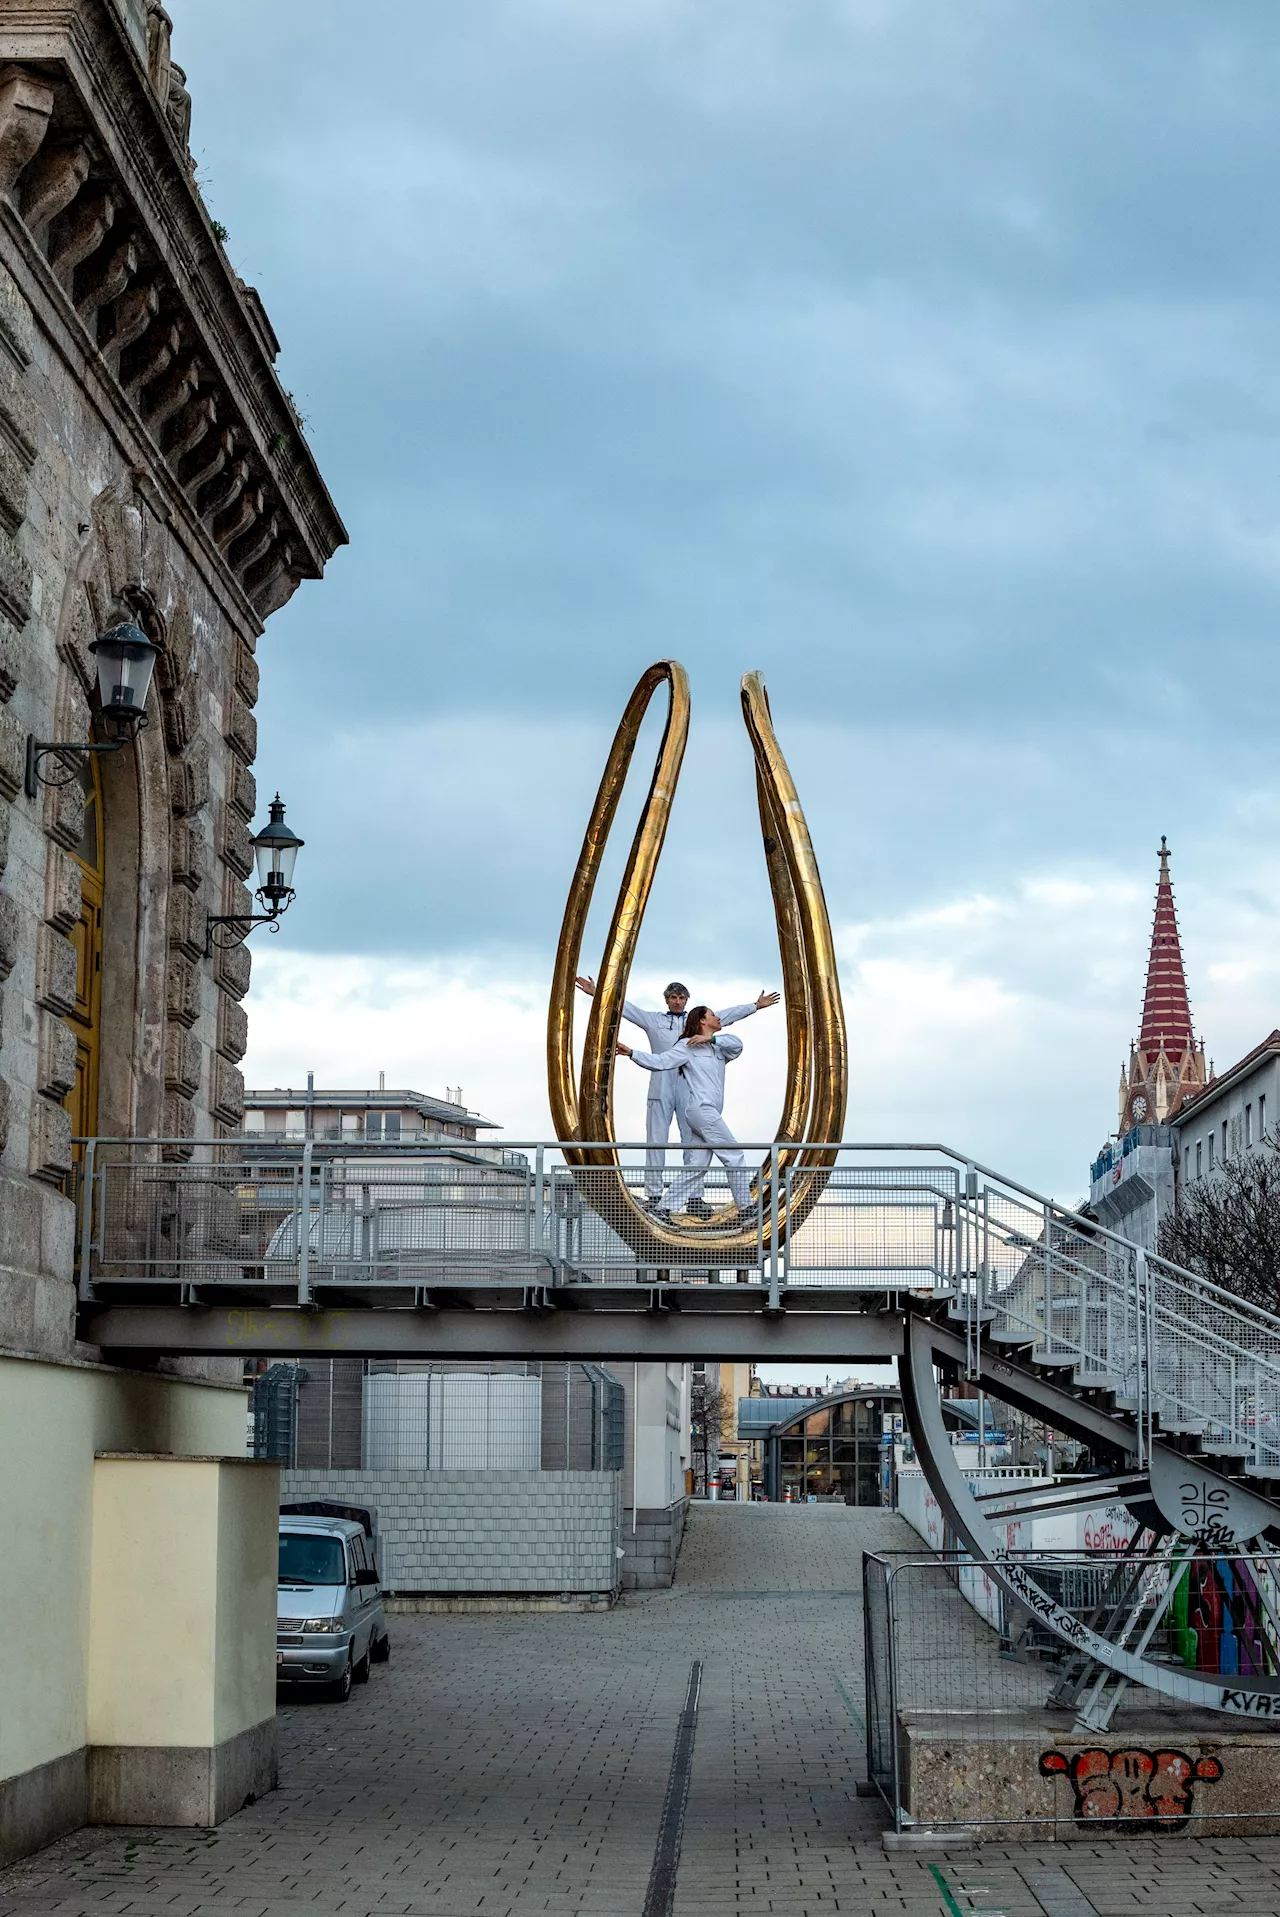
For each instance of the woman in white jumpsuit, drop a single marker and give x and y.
(699, 1058)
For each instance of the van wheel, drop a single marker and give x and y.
(341, 1691)
(360, 1672)
(380, 1649)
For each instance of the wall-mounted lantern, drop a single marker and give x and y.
(125, 659)
(275, 849)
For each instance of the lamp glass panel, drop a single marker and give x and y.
(275, 864)
(124, 675)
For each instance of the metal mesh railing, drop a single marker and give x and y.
(1183, 1355)
(421, 1216)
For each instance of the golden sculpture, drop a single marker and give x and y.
(817, 1063)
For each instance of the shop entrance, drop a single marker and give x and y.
(840, 1449)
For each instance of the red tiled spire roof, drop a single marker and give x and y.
(1166, 1010)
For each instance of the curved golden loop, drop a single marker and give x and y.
(817, 1064)
(593, 1120)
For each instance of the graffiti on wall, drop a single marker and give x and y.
(1133, 1788)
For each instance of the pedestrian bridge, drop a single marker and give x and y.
(486, 1251)
(458, 1250)
(913, 1252)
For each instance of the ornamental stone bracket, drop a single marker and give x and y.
(97, 177)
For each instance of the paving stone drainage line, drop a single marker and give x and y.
(660, 1896)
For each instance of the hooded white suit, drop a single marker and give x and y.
(667, 1094)
(701, 1067)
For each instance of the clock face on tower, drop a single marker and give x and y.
(1139, 1108)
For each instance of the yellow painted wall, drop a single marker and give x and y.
(52, 1420)
(248, 1563)
(183, 1599)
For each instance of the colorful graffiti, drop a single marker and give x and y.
(1217, 1619)
(1132, 1789)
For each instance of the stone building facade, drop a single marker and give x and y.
(152, 469)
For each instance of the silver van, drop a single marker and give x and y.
(330, 1624)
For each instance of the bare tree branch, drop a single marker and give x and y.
(706, 1413)
(1227, 1226)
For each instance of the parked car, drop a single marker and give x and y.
(330, 1624)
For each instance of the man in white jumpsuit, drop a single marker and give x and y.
(667, 1094)
(700, 1061)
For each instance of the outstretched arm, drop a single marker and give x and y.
(632, 1013)
(656, 1061)
(735, 1012)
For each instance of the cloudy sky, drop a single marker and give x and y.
(924, 358)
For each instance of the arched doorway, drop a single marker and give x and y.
(86, 936)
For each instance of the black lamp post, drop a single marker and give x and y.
(125, 659)
(275, 849)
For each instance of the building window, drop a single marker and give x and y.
(1224, 1141)
(391, 1125)
(1262, 1119)
(373, 1124)
(1248, 1126)
(255, 1121)
(1198, 1165)
(1210, 1151)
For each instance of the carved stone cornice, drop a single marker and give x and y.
(101, 189)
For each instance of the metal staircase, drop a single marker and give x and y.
(1170, 1382)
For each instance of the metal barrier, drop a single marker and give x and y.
(368, 1222)
(978, 1715)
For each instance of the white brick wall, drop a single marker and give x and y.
(483, 1530)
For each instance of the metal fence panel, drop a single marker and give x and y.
(978, 1715)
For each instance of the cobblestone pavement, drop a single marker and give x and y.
(519, 1765)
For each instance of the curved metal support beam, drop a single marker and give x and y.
(1248, 1697)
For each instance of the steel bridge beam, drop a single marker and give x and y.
(810, 1336)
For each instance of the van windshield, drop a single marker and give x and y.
(308, 1559)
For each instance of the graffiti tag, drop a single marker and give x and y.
(259, 1330)
(1018, 1579)
(1132, 1788)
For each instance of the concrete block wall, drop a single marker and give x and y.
(484, 1531)
(651, 1546)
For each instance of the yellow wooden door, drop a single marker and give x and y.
(86, 936)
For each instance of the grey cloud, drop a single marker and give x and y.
(923, 356)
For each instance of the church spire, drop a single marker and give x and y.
(1166, 1063)
(1166, 1010)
